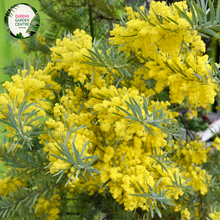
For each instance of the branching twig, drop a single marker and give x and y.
(187, 129)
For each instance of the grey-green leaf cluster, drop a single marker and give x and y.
(82, 164)
(158, 117)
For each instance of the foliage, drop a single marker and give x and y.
(89, 135)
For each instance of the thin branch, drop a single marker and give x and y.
(90, 21)
(187, 129)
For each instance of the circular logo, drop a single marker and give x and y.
(22, 21)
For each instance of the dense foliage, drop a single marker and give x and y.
(93, 135)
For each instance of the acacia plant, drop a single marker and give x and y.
(89, 136)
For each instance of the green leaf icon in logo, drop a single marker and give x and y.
(34, 25)
(20, 36)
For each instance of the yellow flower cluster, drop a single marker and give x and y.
(185, 214)
(74, 99)
(216, 143)
(32, 86)
(190, 156)
(161, 43)
(215, 216)
(61, 125)
(190, 153)
(68, 55)
(49, 207)
(41, 39)
(127, 163)
(9, 184)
